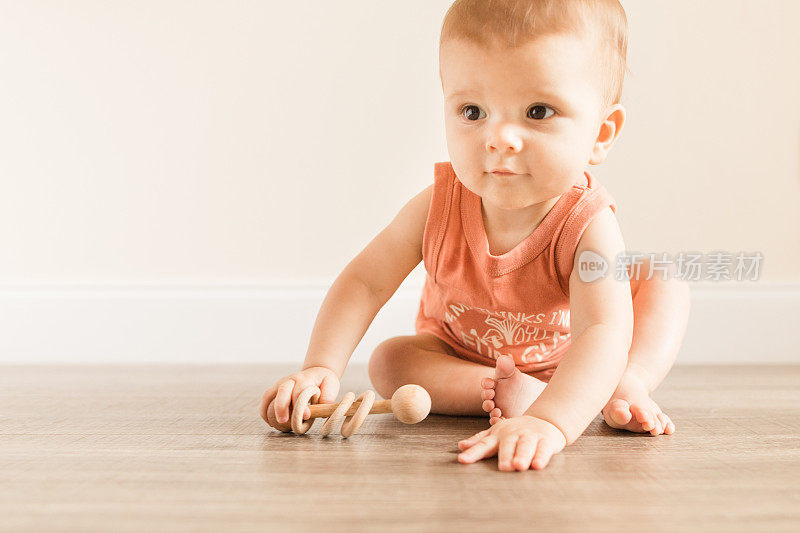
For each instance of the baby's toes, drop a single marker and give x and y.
(487, 383)
(495, 413)
(488, 405)
(487, 394)
(618, 413)
(644, 417)
(668, 425)
(659, 427)
(495, 419)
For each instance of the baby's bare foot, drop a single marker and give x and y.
(510, 393)
(632, 409)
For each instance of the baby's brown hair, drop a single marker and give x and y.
(512, 23)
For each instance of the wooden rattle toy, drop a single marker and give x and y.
(409, 404)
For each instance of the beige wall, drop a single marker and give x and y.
(232, 142)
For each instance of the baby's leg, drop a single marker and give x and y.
(453, 383)
(660, 316)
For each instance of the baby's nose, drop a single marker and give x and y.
(504, 138)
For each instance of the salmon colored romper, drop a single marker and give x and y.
(517, 303)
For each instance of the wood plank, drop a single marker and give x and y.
(181, 448)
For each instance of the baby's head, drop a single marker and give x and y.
(531, 86)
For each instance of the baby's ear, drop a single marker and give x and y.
(610, 127)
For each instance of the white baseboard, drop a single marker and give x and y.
(731, 323)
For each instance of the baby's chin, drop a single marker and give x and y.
(512, 200)
(511, 192)
(515, 198)
(510, 204)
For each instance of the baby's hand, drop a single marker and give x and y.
(519, 442)
(277, 400)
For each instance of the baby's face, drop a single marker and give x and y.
(534, 110)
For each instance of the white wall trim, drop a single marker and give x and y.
(736, 322)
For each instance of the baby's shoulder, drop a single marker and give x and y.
(409, 224)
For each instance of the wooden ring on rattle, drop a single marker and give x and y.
(337, 414)
(298, 426)
(351, 423)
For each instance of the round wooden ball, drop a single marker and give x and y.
(411, 404)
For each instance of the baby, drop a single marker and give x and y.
(513, 319)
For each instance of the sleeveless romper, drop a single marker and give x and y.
(516, 303)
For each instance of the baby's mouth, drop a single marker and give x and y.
(503, 175)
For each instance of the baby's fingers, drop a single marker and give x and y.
(485, 447)
(543, 454)
(467, 443)
(266, 399)
(301, 384)
(526, 447)
(282, 400)
(506, 452)
(272, 420)
(329, 388)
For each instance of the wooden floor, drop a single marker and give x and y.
(182, 449)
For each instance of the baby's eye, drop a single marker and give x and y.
(539, 112)
(472, 112)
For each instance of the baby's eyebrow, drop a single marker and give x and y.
(459, 94)
(533, 95)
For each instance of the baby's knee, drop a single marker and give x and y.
(384, 365)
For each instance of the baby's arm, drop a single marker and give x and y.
(601, 326)
(366, 284)
(349, 307)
